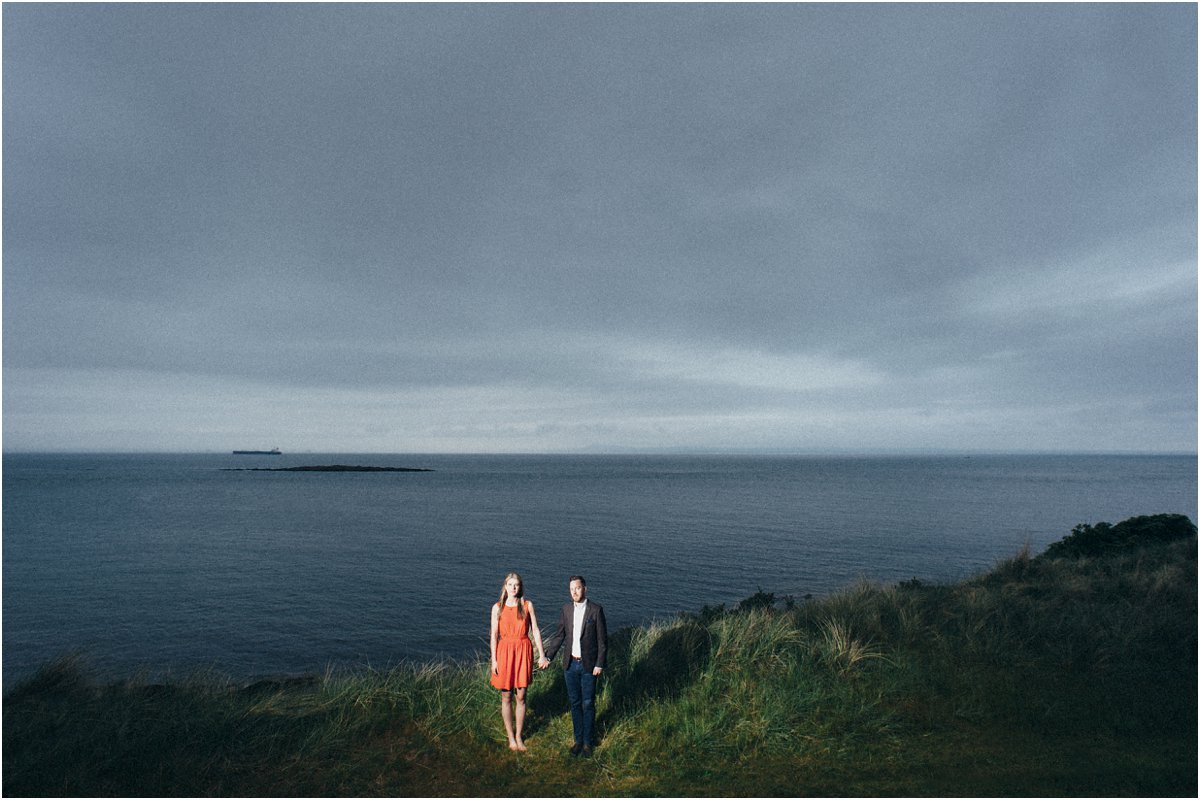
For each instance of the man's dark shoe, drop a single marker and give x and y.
(575, 748)
(587, 751)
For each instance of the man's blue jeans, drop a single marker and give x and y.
(581, 689)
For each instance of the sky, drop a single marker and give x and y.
(600, 228)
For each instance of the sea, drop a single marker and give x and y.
(168, 565)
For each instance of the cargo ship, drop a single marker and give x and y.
(274, 451)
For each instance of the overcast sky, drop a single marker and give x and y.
(444, 228)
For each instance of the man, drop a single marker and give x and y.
(582, 628)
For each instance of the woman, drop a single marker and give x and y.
(513, 622)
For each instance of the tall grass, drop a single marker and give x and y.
(1083, 669)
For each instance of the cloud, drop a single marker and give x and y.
(1112, 291)
(744, 369)
(626, 225)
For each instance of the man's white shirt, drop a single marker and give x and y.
(576, 648)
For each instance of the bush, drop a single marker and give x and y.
(759, 599)
(1103, 538)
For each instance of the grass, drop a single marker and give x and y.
(1044, 676)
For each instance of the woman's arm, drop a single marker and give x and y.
(533, 629)
(492, 638)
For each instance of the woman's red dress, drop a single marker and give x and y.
(514, 651)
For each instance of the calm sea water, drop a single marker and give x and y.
(169, 563)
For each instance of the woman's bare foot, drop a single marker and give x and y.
(512, 745)
(521, 746)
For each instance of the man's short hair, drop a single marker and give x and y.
(574, 578)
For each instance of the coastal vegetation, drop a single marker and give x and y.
(1072, 672)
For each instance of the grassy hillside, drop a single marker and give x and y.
(1066, 675)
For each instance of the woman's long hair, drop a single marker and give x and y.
(520, 593)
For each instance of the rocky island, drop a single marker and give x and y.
(326, 468)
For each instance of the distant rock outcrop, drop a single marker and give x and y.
(326, 468)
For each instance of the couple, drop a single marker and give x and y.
(581, 627)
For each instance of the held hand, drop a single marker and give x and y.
(596, 672)
(543, 662)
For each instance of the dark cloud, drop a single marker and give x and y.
(601, 226)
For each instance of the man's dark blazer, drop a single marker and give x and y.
(593, 641)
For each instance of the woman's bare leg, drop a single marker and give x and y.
(520, 717)
(506, 714)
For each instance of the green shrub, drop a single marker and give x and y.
(1103, 538)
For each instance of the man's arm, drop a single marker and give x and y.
(555, 641)
(601, 641)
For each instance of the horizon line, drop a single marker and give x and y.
(782, 452)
